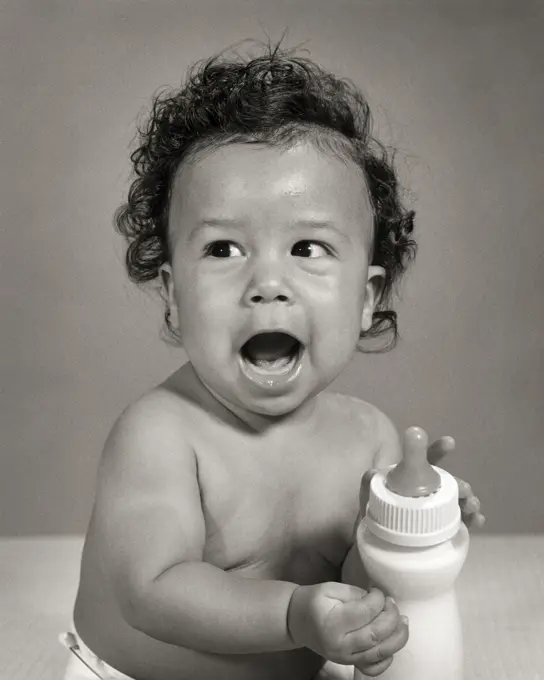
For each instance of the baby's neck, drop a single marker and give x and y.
(296, 421)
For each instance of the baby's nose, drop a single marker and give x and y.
(268, 284)
(269, 297)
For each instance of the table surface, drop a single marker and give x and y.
(500, 593)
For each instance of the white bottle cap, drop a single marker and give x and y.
(414, 520)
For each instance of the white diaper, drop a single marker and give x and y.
(83, 664)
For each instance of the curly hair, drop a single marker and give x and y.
(276, 99)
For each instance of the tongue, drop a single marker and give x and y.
(270, 347)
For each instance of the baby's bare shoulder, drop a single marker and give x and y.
(375, 430)
(150, 443)
(158, 413)
(166, 414)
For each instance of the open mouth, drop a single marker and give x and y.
(272, 352)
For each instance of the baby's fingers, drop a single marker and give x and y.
(440, 448)
(465, 490)
(356, 614)
(472, 516)
(380, 639)
(372, 659)
(470, 505)
(377, 668)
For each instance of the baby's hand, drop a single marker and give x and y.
(470, 504)
(347, 625)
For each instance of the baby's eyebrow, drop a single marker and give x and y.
(313, 223)
(323, 225)
(218, 222)
(213, 222)
(317, 224)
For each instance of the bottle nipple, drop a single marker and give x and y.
(414, 476)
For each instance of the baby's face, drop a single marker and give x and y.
(270, 282)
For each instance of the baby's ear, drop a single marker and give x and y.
(168, 294)
(373, 292)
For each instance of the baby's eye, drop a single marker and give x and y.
(311, 249)
(223, 249)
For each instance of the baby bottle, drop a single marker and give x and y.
(413, 545)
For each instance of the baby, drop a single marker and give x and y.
(228, 496)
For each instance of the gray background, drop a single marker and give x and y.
(457, 87)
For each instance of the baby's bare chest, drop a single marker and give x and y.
(287, 517)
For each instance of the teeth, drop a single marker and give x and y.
(282, 365)
(274, 363)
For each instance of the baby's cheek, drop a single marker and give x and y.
(340, 330)
(333, 351)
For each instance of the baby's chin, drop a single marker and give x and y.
(276, 407)
(258, 411)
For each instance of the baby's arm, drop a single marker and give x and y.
(149, 517)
